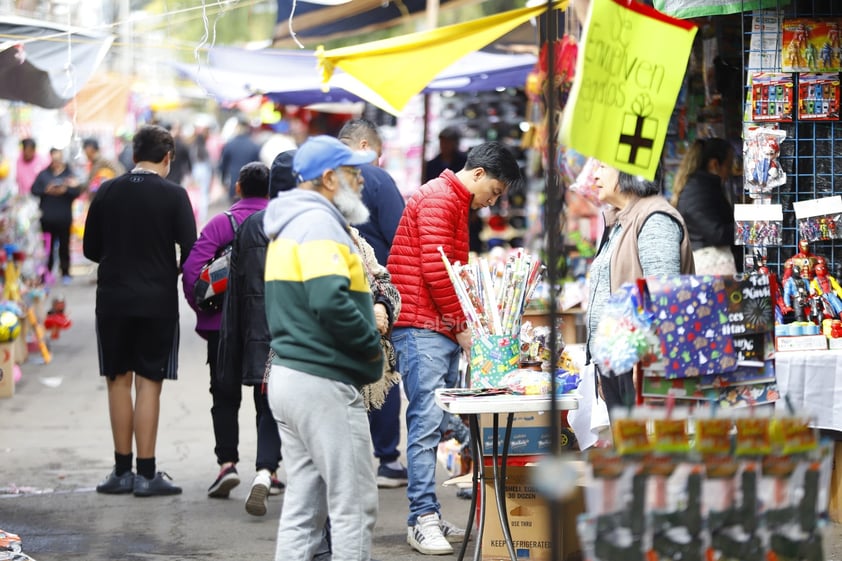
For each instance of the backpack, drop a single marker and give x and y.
(209, 290)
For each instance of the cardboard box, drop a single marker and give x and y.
(21, 350)
(7, 370)
(529, 521)
(530, 433)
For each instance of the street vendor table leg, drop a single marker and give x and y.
(500, 483)
(476, 481)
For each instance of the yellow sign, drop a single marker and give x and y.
(631, 64)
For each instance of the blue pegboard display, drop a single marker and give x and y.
(811, 155)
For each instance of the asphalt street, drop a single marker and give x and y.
(55, 446)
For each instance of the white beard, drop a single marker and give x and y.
(350, 204)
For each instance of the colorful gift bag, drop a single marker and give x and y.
(492, 357)
(690, 314)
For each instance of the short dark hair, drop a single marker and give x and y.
(639, 185)
(358, 129)
(281, 176)
(152, 143)
(92, 143)
(498, 161)
(27, 143)
(451, 133)
(54, 150)
(253, 180)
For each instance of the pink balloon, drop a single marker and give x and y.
(17, 373)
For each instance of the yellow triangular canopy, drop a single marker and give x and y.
(400, 67)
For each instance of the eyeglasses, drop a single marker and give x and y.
(354, 172)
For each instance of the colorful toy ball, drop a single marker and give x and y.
(9, 326)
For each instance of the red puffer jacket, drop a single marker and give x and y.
(436, 215)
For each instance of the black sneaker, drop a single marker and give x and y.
(116, 484)
(155, 487)
(389, 478)
(225, 481)
(277, 487)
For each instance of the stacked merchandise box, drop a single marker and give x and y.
(741, 315)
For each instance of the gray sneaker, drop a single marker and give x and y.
(155, 487)
(116, 484)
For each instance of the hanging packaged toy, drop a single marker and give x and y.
(819, 219)
(818, 96)
(758, 225)
(762, 171)
(772, 96)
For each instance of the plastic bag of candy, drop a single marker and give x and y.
(625, 335)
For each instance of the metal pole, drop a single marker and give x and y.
(552, 212)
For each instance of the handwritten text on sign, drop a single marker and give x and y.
(625, 90)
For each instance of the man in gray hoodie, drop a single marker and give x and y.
(327, 346)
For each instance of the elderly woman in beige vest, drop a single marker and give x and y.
(644, 236)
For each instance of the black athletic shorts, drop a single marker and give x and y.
(146, 346)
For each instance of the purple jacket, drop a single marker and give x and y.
(216, 234)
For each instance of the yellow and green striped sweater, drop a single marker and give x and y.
(318, 302)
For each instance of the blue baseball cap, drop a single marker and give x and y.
(321, 153)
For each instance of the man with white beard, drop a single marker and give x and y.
(327, 346)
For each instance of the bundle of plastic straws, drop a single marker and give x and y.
(494, 299)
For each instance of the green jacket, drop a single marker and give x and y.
(318, 301)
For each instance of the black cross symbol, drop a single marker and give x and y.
(636, 140)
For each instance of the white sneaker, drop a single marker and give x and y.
(256, 502)
(426, 536)
(451, 532)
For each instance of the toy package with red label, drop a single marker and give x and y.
(772, 97)
(818, 96)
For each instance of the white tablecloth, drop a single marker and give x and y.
(813, 381)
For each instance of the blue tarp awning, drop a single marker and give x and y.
(291, 77)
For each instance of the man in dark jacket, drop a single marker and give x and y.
(244, 336)
(385, 203)
(236, 153)
(57, 188)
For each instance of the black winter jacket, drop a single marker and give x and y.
(706, 211)
(244, 333)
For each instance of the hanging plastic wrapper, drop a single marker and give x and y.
(758, 225)
(585, 184)
(625, 335)
(819, 219)
(762, 170)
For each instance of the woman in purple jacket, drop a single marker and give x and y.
(253, 189)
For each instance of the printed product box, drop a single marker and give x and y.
(530, 433)
(529, 520)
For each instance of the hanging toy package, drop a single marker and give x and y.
(762, 171)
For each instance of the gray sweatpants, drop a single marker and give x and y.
(327, 455)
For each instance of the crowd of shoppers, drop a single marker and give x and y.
(335, 285)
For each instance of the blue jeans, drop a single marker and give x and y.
(427, 360)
